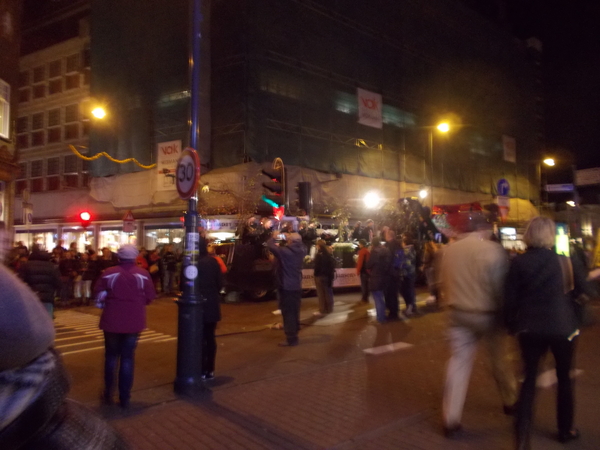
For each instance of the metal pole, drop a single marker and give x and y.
(431, 166)
(188, 380)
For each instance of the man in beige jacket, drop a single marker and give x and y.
(472, 275)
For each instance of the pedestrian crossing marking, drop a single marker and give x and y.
(387, 348)
(73, 325)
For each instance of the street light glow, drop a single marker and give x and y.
(549, 162)
(99, 112)
(571, 203)
(423, 193)
(444, 127)
(372, 200)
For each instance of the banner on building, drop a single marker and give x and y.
(166, 163)
(370, 108)
(584, 177)
(510, 148)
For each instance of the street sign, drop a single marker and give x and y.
(128, 222)
(568, 187)
(503, 187)
(584, 177)
(188, 173)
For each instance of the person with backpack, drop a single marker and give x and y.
(324, 274)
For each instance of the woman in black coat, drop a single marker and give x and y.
(324, 274)
(542, 314)
(378, 267)
(209, 283)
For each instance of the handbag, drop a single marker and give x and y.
(580, 301)
(153, 268)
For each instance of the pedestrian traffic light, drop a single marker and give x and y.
(85, 218)
(276, 187)
(305, 196)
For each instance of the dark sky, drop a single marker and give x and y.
(570, 34)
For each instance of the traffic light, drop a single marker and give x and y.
(85, 218)
(305, 196)
(276, 187)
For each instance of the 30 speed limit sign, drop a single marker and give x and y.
(187, 175)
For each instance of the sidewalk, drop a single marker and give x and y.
(328, 393)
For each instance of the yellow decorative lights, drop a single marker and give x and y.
(107, 156)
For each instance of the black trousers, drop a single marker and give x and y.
(533, 348)
(209, 347)
(364, 286)
(390, 293)
(289, 303)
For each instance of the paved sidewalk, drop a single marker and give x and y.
(328, 393)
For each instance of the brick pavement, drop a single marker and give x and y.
(355, 401)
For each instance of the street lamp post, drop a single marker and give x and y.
(443, 127)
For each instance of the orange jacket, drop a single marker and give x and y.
(363, 257)
(221, 263)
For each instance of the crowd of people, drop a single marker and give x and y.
(69, 276)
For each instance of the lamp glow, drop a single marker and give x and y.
(98, 112)
(444, 127)
(549, 162)
(571, 203)
(423, 193)
(372, 200)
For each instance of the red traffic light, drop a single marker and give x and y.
(85, 216)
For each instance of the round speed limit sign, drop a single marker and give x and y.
(187, 174)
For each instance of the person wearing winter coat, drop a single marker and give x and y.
(378, 266)
(209, 286)
(324, 274)
(42, 277)
(361, 269)
(540, 311)
(126, 290)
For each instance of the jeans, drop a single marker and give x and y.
(407, 290)
(533, 349)
(209, 347)
(379, 305)
(325, 294)
(119, 349)
(467, 329)
(83, 288)
(289, 303)
(364, 286)
(168, 278)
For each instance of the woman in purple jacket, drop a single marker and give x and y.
(126, 289)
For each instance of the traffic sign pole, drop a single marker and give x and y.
(188, 379)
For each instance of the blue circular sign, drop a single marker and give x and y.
(503, 187)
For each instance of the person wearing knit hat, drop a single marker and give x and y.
(126, 289)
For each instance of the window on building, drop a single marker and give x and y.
(72, 81)
(24, 95)
(55, 86)
(54, 117)
(87, 77)
(23, 141)
(4, 109)
(39, 74)
(39, 91)
(23, 124)
(54, 135)
(20, 186)
(23, 79)
(85, 128)
(37, 185)
(86, 57)
(72, 131)
(37, 173)
(55, 69)
(85, 173)
(72, 113)
(22, 175)
(52, 171)
(71, 164)
(37, 121)
(73, 63)
(37, 138)
(53, 166)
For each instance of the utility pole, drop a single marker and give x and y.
(188, 379)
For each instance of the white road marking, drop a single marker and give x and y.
(548, 378)
(388, 348)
